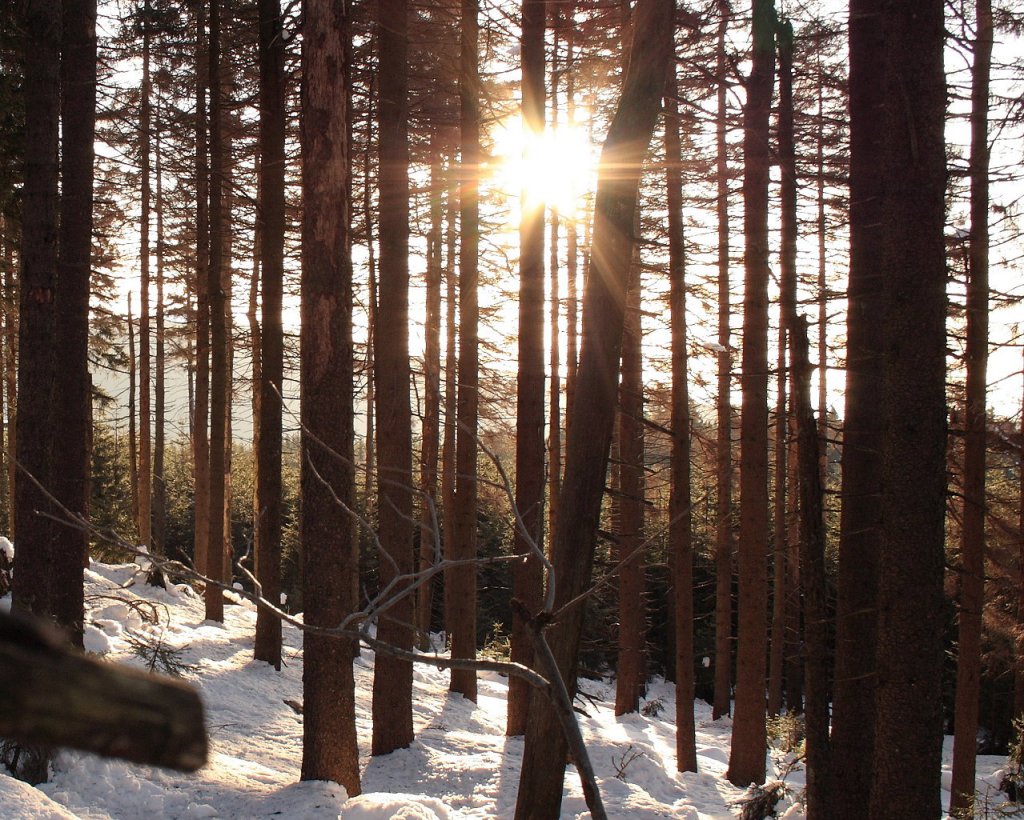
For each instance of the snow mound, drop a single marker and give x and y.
(23, 802)
(394, 807)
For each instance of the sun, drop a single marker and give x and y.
(554, 168)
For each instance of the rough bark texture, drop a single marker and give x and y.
(680, 501)
(55, 696)
(159, 529)
(329, 552)
(272, 226)
(853, 717)
(528, 575)
(723, 452)
(392, 678)
(972, 547)
(218, 334)
(35, 559)
(431, 423)
(590, 429)
(145, 522)
(747, 757)
(908, 702)
(73, 411)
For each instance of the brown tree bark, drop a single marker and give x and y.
(853, 715)
(590, 429)
(723, 452)
(271, 355)
(972, 547)
(528, 577)
(201, 409)
(392, 678)
(159, 528)
(11, 291)
(145, 521)
(680, 500)
(34, 560)
(73, 415)
(908, 700)
(431, 424)
(747, 757)
(218, 331)
(554, 306)
(776, 656)
(133, 437)
(329, 549)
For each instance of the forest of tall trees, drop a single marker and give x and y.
(576, 339)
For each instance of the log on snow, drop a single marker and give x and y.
(53, 695)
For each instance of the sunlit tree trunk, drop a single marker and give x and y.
(145, 476)
(972, 548)
(680, 501)
(329, 553)
(392, 678)
(271, 331)
(133, 437)
(218, 330)
(159, 528)
(590, 431)
(747, 757)
(723, 451)
(528, 577)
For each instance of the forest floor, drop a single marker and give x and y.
(460, 765)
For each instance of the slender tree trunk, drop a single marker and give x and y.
(227, 285)
(133, 437)
(571, 236)
(201, 412)
(271, 350)
(450, 379)
(371, 317)
(822, 286)
(1018, 677)
(528, 575)
(159, 531)
(218, 330)
(11, 292)
(747, 758)
(392, 679)
(145, 522)
(680, 501)
(590, 431)
(330, 557)
(555, 353)
(723, 451)
(972, 548)
(777, 657)
(74, 399)
(908, 702)
(632, 635)
(431, 425)
(812, 560)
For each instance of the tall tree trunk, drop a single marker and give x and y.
(201, 411)
(227, 286)
(72, 413)
(590, 430)
(450, 377)
(680, 501)
(11, 291)
(812, 560)
(392, 679)
(1018, 677)
(330, 558)
(746, 761)
(630, 530)
(431, 425)
(159, 530)
(723, 451)
(371, 315)
(777, 656)
(528, 577)
(133, 436)
(972, 548)
(218, 329)
(822, 284)
(271, 352)
(908, 702)
(853, 715)
(145, 522)
(555, 352)
(34, 560)
(571, 234)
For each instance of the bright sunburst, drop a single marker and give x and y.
(554, 168)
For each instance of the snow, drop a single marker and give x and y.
(461, 765)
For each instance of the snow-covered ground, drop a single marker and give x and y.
(461, 764)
